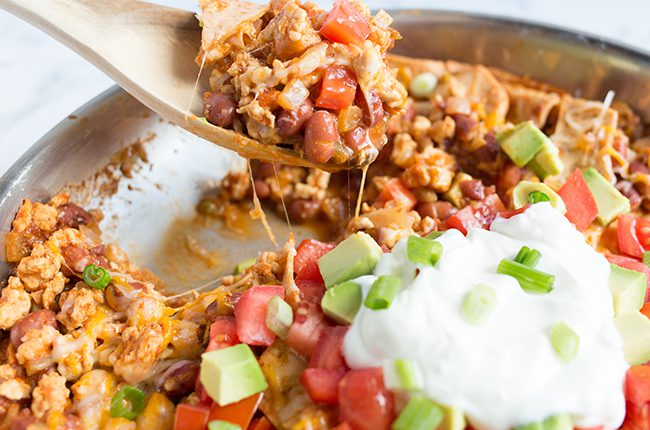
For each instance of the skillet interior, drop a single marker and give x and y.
(142, 212)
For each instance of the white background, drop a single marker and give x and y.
(41, 81)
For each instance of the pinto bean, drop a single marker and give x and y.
(291, 122)
(355, 138)
(438, 210)
(35, 320)
(77, 258)
(627, 189)
(71, 215)
(303, 209)
(638, 167)
(466, 127)
(321, 137)
(178, 379)
(219, 109)
(23, 420)
(473, 189)
(262, 189)
(372, 107)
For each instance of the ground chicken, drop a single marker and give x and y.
(74, 354)
(35, 353)
(12, 386)
(139, 351)
(50, 395)
(44, 217)
(41, 266)
(14, 303)
(78, 305)
(92, 395)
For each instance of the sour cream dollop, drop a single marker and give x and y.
(504, 372)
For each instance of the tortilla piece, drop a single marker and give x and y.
(222, 19)
(527, 104)
(417, 65)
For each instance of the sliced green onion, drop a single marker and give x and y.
(127, 403)
(528, 257)
(646, 258)
(538, 197)
(478, 304)
(222, 425)
(407, 375)
(530, 280)
(383, 292)
(96, 277)
(244, 266)
(434, 235)
(342, 302)
(422, 85)
(565, 341)
(419, 413)
(423, 251)
(279, 316)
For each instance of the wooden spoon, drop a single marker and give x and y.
(149, 50)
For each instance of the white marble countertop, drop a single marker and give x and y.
(41, 81)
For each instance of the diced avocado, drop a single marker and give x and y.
(455, 194)
(628, 289)
(634, 328)
(279, 316)
(547, 162)
(522, 143)
(243, 266)
(524, 188)
(231, 374)
(355, 256)
(611, 203)
(342, 302)
(556, 422)
(454, 418)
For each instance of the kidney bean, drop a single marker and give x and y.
(212, 312)
(510, 176)
(35, 320)
(77, 258)
(438, 210)
(178, 379)
(291, 122)
(371, 105)
(219, 109)
(321, 137)
(71, 215)
(22, 421)
(355, 138)
(262, 189)
(465, 127)
(303, 209)
(627, 189)
(473, 189)
(638, 167)
(262, 170)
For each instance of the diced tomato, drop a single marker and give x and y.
(395, 191)
(632, 264)
(344, 24)
(364, 402)
(636, 417)
(322, 385)
(305, 263)
(343, 426)
(250, 314)
(328, 353)
(223, 333)
(338, 88)
(312, 291)
(643, 232)
(190, 417)
(480, 216)
(240, 413)
(261, 424)
(637, 385)
(628, 243)
(645, 310)
(308, 324)
(581, 208)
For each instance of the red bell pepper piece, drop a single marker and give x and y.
(190, 417)
(240, 413)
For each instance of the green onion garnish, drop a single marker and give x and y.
(383, 292)
(408, 377)
(537, 197)
(419, 413)
(423, 251)
(96, 277)
(243, 266)
(434, 235)
(565, 341)
(528, 257)
(127, 403)
(646, 258)
(222, 425)
(478, 304)
(530, 280)
(279, 316)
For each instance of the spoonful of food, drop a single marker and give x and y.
(285, 82)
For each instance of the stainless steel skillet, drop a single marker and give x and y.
(143, 211)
